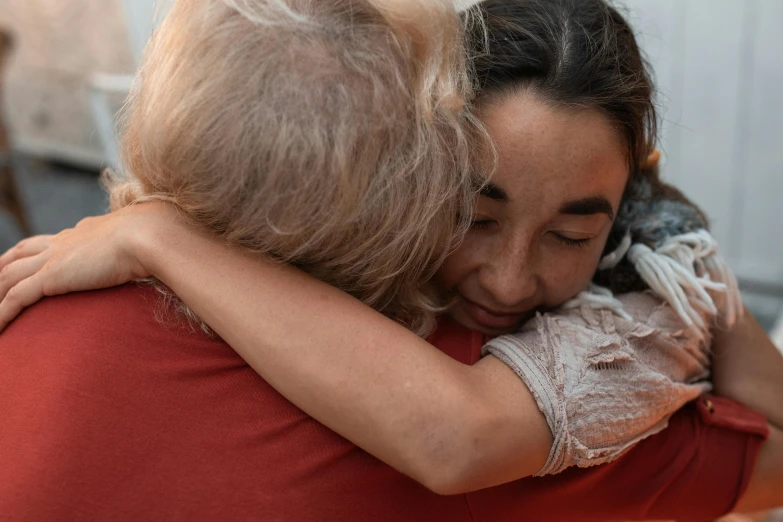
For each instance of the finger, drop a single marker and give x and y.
(18, 271)
(28, 247)
(24, 294)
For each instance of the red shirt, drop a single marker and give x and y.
(109, 415)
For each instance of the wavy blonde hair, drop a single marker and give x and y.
(334, 135)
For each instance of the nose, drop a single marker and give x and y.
(511, 276)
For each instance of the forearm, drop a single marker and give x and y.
(765, 490)
(748, 368)
(356, 371)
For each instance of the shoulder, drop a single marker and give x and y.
(457, 341)
(110, 338)
(122, 314)
(123, 302)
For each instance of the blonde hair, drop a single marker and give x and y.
(330, 134)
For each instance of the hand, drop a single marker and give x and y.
(97, 253)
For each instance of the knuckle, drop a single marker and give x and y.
(47, 280)
(85, 221)
(21, 246)
(5, 273)
(17, 296)
(13, 297)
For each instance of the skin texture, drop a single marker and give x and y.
(452, 427)
(748, 368)
(524, 253)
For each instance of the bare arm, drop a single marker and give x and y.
(748, 368)
(765, 490)
(452, 427)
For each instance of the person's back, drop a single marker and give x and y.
(114, 408)
(132, 416)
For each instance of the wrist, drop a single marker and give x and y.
(147, 238)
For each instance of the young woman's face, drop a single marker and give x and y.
(541, 225)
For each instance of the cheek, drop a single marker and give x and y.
(565, 275)
(459, 266)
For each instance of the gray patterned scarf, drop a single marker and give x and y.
(660, 241)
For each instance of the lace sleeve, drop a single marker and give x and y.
(605, 382)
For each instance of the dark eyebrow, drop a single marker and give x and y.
(588, 207)
(494, 192)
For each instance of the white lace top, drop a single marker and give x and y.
(605, 382)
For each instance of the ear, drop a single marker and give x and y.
(652, 160)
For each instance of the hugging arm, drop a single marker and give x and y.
(452, 427)
(748, 368)
(765, 490)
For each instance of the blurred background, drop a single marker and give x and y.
(718, 64)
(64, 73)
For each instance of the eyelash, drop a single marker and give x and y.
(481, 224)
(574, 243)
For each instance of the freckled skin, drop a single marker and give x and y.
(520, 256)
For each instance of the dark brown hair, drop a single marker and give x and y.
(578, 53)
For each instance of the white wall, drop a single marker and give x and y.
(141, 17)
(719, 65)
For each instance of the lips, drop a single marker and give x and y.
(488, 318)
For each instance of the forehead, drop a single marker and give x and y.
(549, 154)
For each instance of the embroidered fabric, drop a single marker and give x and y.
(606, 381)
(686, 271)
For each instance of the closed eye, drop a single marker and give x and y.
(570, 242)
(481, 224)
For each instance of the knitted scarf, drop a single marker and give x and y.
(661, 242)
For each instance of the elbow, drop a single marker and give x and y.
(444, 487)
(477, 445)
(446, 479)
(465, 459)
(446, 460)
